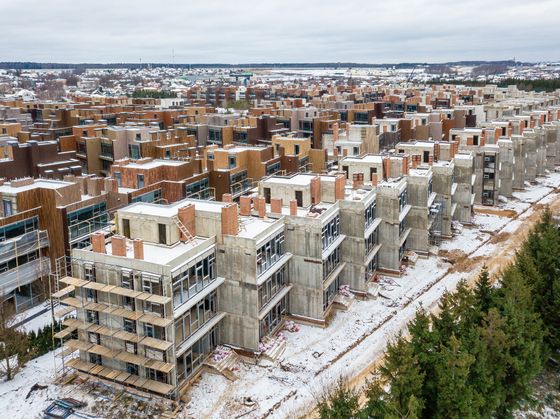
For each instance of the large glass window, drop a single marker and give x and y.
(189, 361)
(330, 232)
(273, 318)
(195, 318)
(371, 241)
(331, 262)
(271, 287)
(330, 293)
(269, 253)
(193, 278)
(370, 214)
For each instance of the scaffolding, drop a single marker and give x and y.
(436, 221)
(74, 295)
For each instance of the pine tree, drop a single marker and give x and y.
(524, 333)
(543, 249)
(339, 403)
(454, 394)
(483, 292)
(402, 372)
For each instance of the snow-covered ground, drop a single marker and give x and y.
(314, 357)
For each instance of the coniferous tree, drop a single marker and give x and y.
(339, 403)
(524, 333)
(454, 393)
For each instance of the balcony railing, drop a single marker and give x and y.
(24, 274)
(24, 244)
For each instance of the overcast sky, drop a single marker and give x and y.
(242, 31)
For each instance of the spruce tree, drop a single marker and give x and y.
(342, 402)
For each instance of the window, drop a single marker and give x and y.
(266, 192)
(92, 316)
(131, 368)
(273, 318)
(118, 177)
(370, 214)
(7, 204)
(296, 149)
(426, 156)
(129, 325)
(232, 162)
(356, 151)
(193, 278)
(140, 180)
(299, 198)
(475, 139)
(371, 241)
(269, 253)
(149, 330)
(271, 287)
(330, 232)
(94, 338)
(126, 227)
(95, 359)
(330, 293)
(162, 233)
(331, 262)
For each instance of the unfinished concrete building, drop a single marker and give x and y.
(393, 208)
(424, 216)
(465, 178)
(444, 186)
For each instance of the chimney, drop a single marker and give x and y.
(98, 242)
(339, 184)
(357, 180)
(276, 205)
(386, 168)
(335, 152)
(227, 197)
(335, 132)
(230, 220)
(374, 179)
(256, 203)
(293, 208)
(315, 190)
(138, 248)
(405, 165)
(245, 205)
(186, 215)
(262, 207)
(118, 245)
(111, 185)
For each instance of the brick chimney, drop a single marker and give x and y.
(186, 215)
(374, 179)
(276, 205)
(245, 205)
(98, 242)
(293, 208)
(138, 245)
(315, 190)
(262, 207)
(118, 245)
(339, 183)
(230, 220)
(227, 197)
(386, 168)
(335, 131)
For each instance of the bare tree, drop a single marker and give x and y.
(14, 345)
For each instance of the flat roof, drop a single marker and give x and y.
(38, 183)
(155, 163)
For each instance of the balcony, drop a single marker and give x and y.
(24, 274)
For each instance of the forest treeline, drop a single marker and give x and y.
(477, 356)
